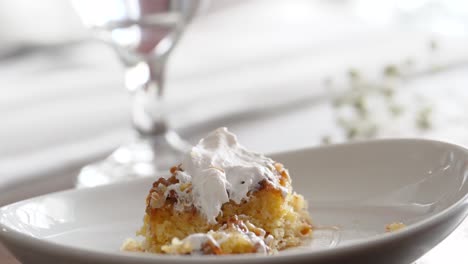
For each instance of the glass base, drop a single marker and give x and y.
(144, 157)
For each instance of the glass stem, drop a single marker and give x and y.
(146, 83)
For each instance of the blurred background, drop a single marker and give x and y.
(280, 74)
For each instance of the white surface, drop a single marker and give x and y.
(63, 107)
(420, 183)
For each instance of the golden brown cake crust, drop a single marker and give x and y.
(283, 217)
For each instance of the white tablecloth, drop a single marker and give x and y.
(256, 67)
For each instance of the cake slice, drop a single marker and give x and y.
(223, 199)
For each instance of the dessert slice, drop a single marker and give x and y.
(223, 199)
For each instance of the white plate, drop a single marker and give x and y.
(358, 187)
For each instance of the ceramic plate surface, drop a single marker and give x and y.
(354, 191)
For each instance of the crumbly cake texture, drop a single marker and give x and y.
(271, 217)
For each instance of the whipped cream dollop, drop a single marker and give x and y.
(220, 170)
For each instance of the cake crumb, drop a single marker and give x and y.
(394, 227)
(131, 245)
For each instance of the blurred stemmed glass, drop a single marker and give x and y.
(143, 33)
